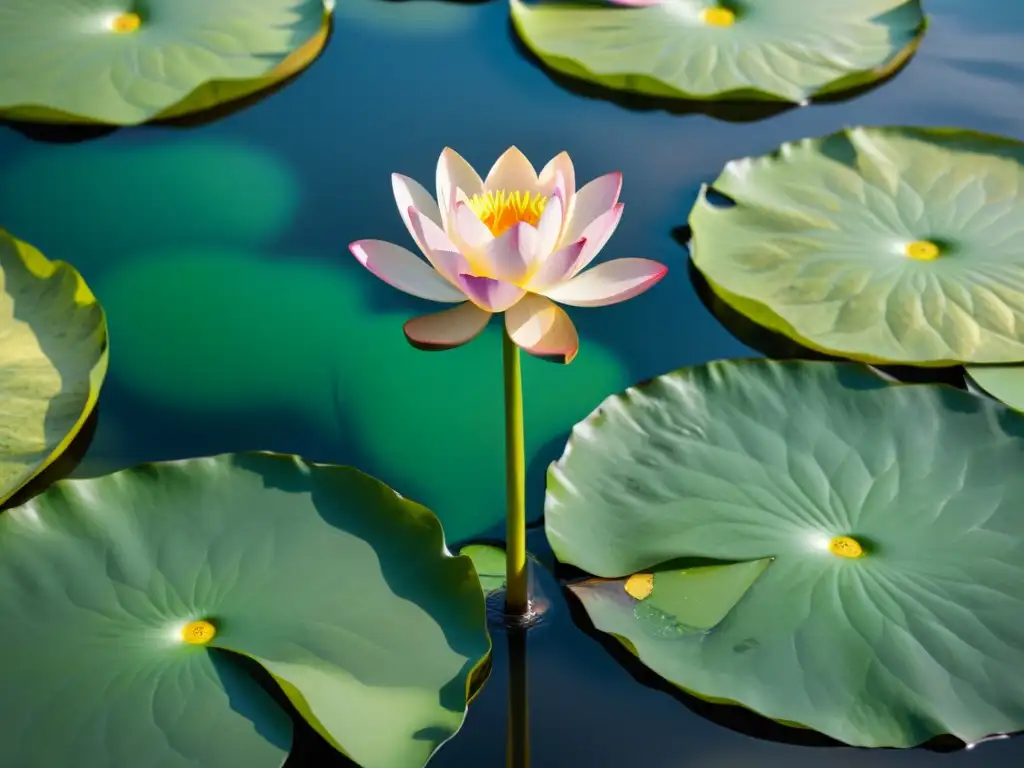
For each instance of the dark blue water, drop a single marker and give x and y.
(240, 321)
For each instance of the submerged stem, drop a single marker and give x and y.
(516, 597)
(517, 751)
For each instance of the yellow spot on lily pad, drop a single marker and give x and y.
(640, 585)
(126, 22)
(922, 250)
(198, 632)
(845, 546)
(718, 17)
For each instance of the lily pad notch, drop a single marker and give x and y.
(134, 583)
(53, 360)
(802, 538)
(131, 63)
(747, 50)
(893, 245)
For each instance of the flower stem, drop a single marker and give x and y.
(517, 748)
(516, 597)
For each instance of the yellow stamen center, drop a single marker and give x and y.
(844, 546)
(640, 585)
(922, 250)
(198, 632)
(718, 17)
(500, 209)
(126, 22)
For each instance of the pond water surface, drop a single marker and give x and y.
(239, 320)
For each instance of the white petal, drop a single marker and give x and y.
(448, 329)
(591, 201)
(404, 270)
(558, 174)
(557, 267)
(490, 294)
(411, 194)
(597, 234)
(508, 257)
(543, 329)
(528, 245)
(549, 226)
(512, 172)
(473, 232)
(558, 177)
(453, 173)
(440, 251)
(608, 283)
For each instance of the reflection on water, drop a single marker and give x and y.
(229, 332)
(403, 19)
(239, 320)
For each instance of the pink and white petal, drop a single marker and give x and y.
(512, 172)
(468, 227)
(503, 257)
(450, 264)
(557, 267)
(591, 201)
(437, 246)
(597, 234)
(543, 329)
(425, 229)
(490, 294)
(527, 245)
(608, 283)
(549, 227)
(559, 174)
(404, 270)
(411, 194)
(454, 173)
(448, 329)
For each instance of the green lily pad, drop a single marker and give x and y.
(489, 562)
(340, 588)
(1003, 382)
(893, 608)
(125, 63)
(889, 245)
(701, 50)
(53, 358)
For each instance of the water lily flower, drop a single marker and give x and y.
(515, 242)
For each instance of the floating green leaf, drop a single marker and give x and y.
(340, 588)
(124, 63)
(53, 357)
(489, 562)
(697, 49)
(893, 608)
(1003, 382)
(896, 245)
